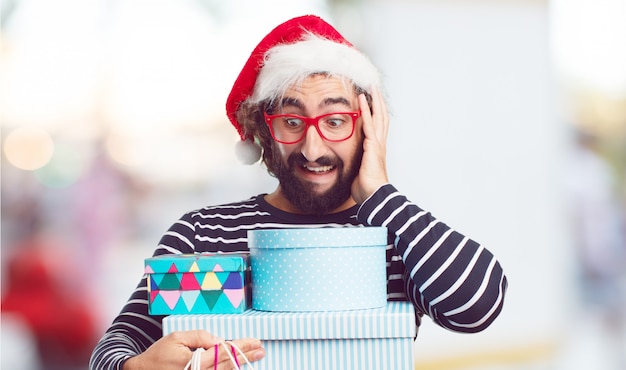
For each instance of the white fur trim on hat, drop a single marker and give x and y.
(288, 64)
(248, 151)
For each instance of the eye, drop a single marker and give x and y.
(335, 122)
(292, 122)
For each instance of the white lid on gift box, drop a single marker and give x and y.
(395, 320)
(359, 236)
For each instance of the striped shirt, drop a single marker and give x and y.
(447, 276)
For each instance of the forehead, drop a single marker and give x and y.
(321, 86)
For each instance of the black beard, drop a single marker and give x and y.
(302, 195)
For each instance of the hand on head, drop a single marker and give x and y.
(373, 171)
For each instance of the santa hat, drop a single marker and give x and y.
(289, 53)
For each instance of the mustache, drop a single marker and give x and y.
(298, 159)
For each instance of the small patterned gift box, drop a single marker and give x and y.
(318, 269)
(197, 283)
(380, 338)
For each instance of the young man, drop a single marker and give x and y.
(312, 102)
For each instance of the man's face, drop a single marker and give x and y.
(316, 175)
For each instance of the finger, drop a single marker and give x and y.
(381, 114)
(241, 360)
(364, 106)
(366, 116)
(196, 338)
(249, 354)
(247, 344)
(382, 107)
(375, 124)
(251, 348)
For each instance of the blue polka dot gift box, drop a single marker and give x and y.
(369, 339)
(318, 269)
(206, 283)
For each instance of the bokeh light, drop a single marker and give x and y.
(28, 148)
(64, 167)
(128, 150)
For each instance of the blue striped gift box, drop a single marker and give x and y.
(380, 338)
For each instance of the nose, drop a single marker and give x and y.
(313, 145)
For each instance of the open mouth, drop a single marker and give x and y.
(318, 169)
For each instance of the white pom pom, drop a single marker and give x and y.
(248, 152)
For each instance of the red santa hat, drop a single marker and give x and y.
(292, 51)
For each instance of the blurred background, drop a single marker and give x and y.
(508, 123)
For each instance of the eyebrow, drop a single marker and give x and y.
(333, 101)
(292, 102)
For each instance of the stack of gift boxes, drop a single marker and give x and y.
(315, 297)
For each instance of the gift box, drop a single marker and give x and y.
(318, 269)
(198, 283)
(380, 338)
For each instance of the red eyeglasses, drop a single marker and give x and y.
(291, 128)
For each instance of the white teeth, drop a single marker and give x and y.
(319, 169)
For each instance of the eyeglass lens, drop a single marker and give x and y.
(335, 127)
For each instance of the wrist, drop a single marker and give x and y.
(131, 363)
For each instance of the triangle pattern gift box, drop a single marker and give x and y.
(198, 283)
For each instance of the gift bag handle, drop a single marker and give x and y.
(196, 357)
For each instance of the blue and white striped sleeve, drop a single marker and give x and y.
(448, 276)
(134, 330)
